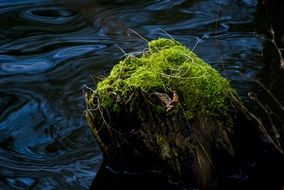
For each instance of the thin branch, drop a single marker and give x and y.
(133, 31)
(270, 93)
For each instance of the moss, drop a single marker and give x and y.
(165, 148)
(168, 65)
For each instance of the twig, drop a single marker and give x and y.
(166, 33)
(270, 93)
(198, 41)
(131, 30)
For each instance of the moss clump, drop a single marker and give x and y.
(166, 66)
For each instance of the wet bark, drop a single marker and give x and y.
(141, 138)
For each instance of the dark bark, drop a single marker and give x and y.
(140, 138)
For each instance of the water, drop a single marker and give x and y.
(49, 49)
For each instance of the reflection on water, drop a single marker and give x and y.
(49, 49)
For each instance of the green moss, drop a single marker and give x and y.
(168, 65)
(165, 148)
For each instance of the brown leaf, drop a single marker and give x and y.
(169, 103)
(164, 98)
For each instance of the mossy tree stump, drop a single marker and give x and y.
(165, 110)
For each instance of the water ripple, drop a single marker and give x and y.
(33, 66)
(44, 62)
(70, 52)
(45, 153)
(49, 15)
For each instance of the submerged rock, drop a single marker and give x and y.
(166, 111)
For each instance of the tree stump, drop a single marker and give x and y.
(166, 111)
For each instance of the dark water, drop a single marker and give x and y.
(49, 49)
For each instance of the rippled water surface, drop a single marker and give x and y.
(49, 49)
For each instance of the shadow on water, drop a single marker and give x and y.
(49, 49)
